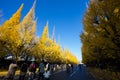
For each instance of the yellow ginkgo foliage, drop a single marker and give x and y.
(53, 52)
(40, 49)
(49, 50)
(9, 35)
(28, 26)
(19, 38)
(69, 57)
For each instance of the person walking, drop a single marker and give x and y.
(48, 66)
(47, 74)
(23, 71)
(72, 67)
(32, 69)
(11, 71)
(41, 70)
(52, 67)
(68, 68)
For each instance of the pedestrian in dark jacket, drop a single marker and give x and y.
(72, 67)
(32, 69)
(41, 70)
(23, 71)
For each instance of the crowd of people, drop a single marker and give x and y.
(43, 72)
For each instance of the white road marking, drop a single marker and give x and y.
(72, 73)
(57, 72)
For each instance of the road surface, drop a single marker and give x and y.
(77, 74)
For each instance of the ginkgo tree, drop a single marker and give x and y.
(101, 36)
(18, 38)
(27, 31)
(40, 49)
(48, 49)
(9, 35)
(54, 50)
(69, 57)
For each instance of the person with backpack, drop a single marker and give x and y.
(41, 70)
(32, 69)
(23, 71)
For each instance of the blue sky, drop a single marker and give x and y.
(65, 15)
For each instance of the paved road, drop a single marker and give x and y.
(77, 74)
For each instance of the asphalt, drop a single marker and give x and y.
(77, 74)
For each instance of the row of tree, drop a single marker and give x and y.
(18, 38)
(101, 36)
